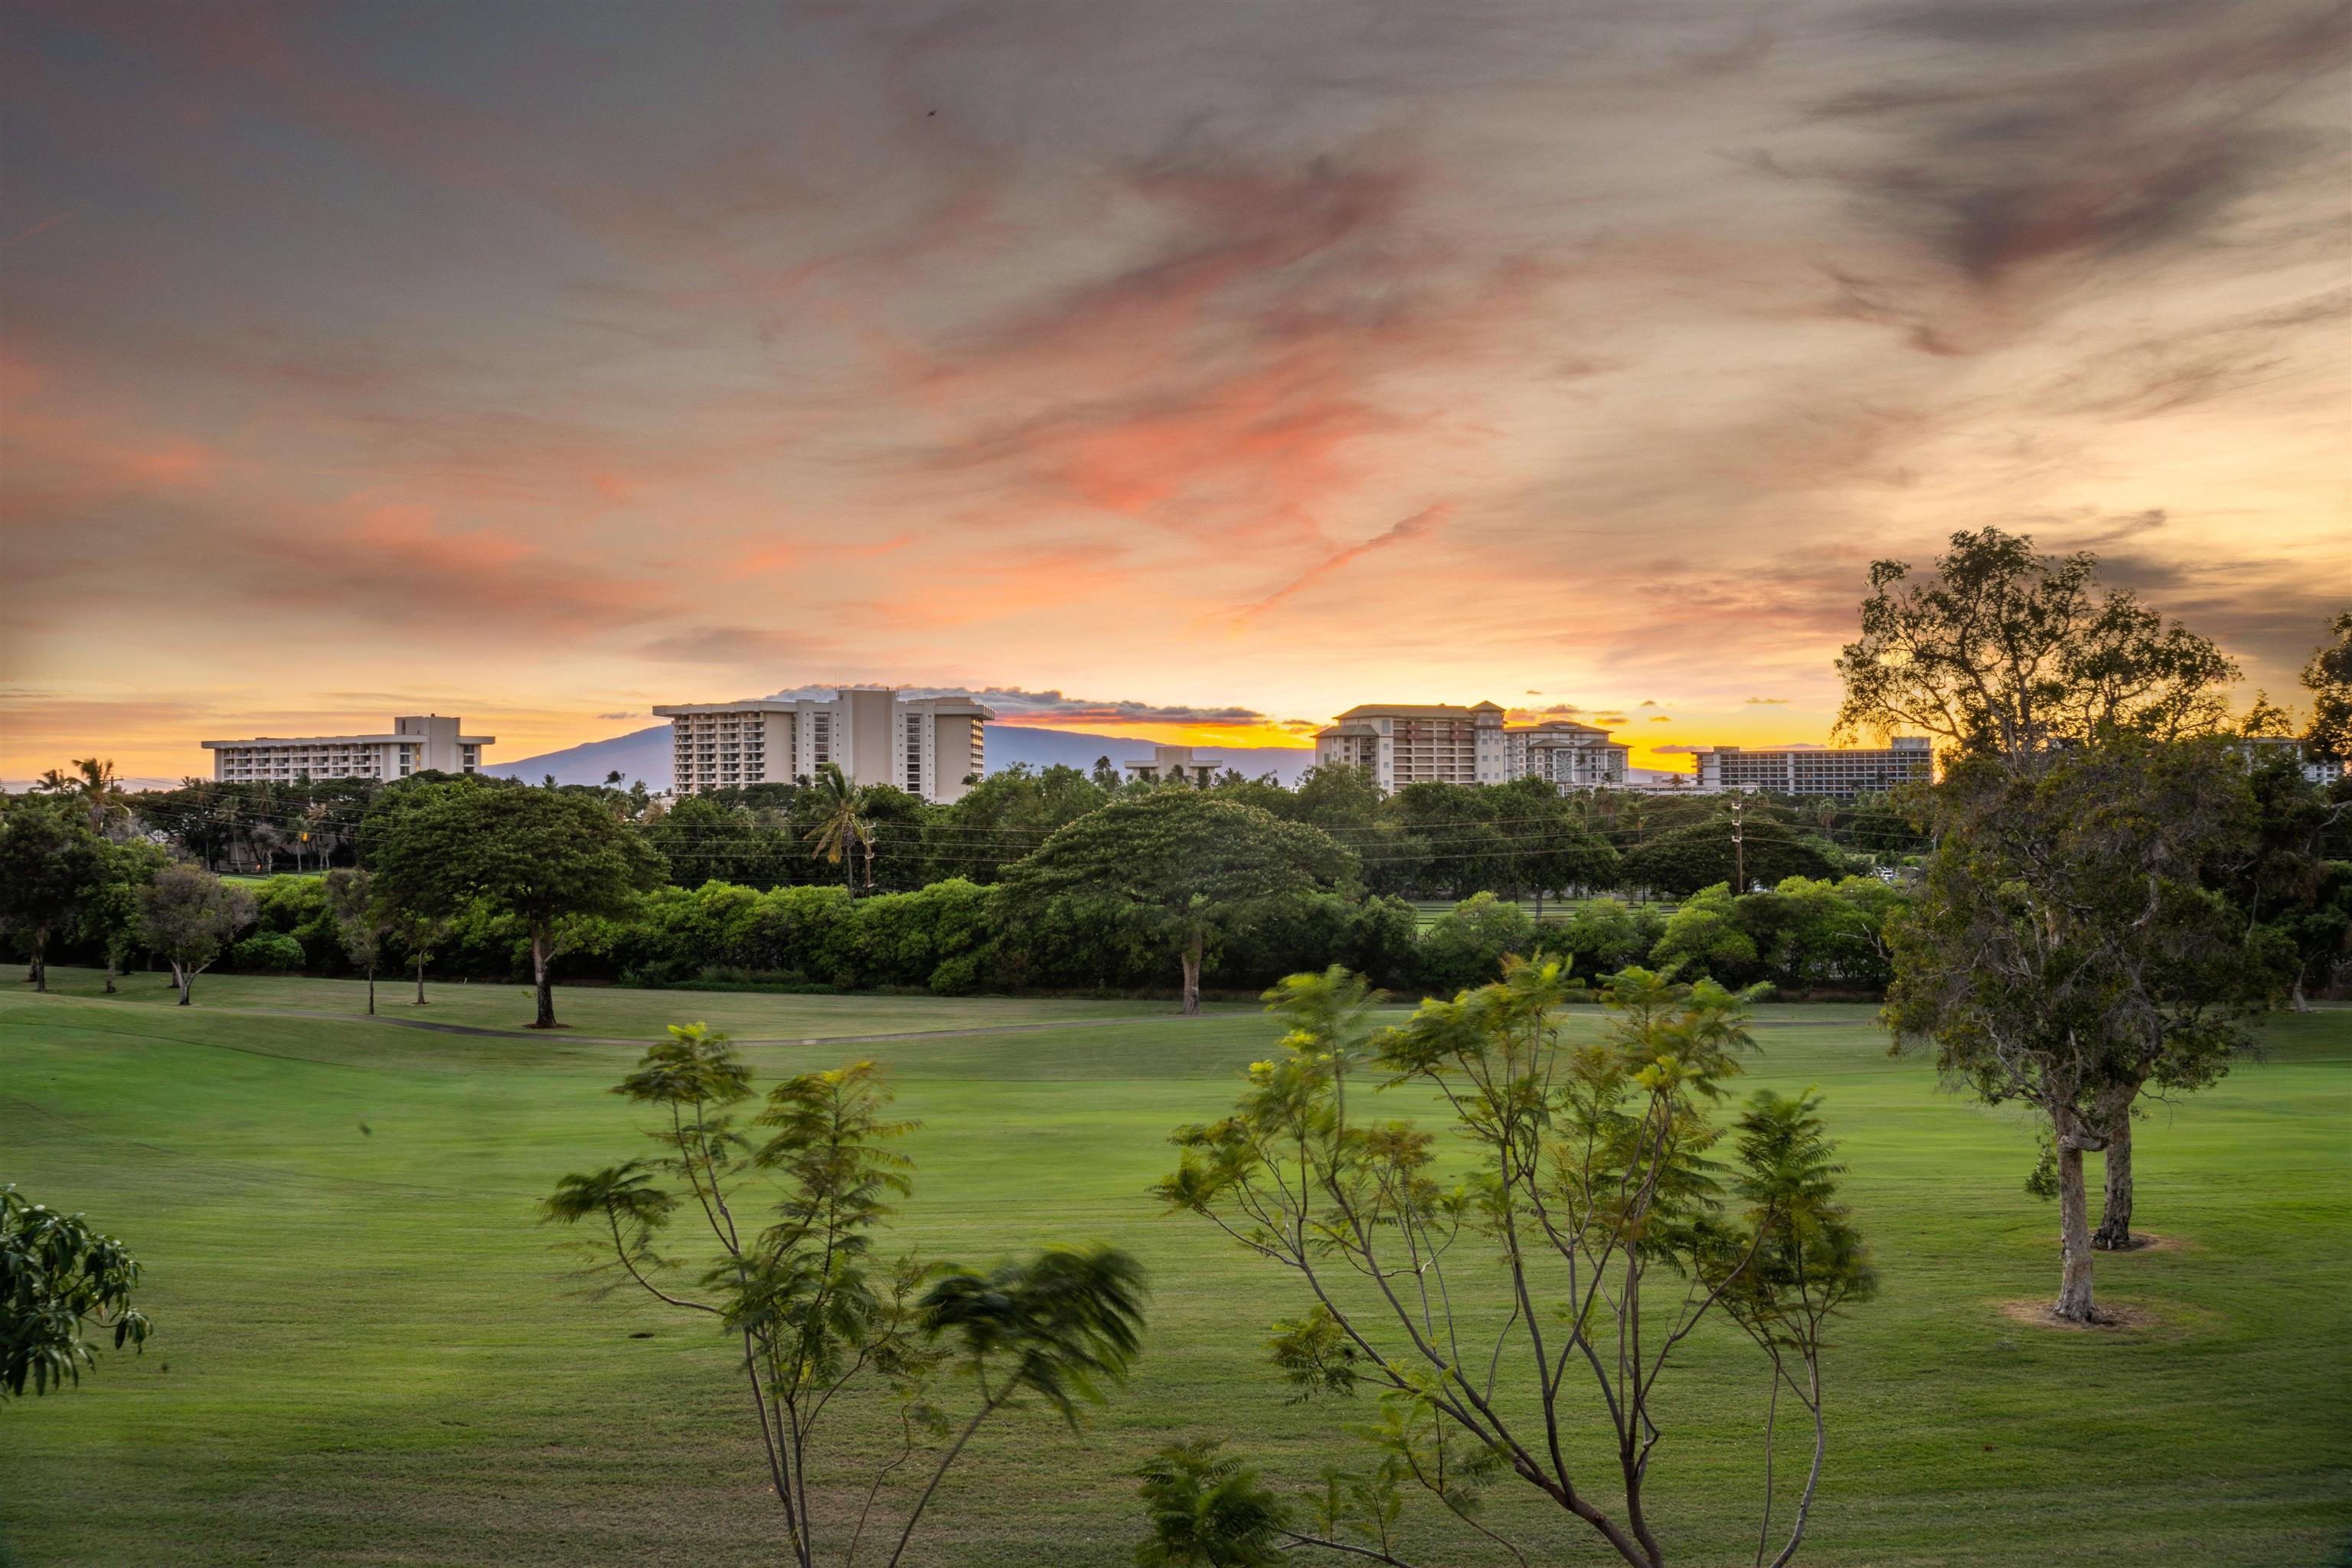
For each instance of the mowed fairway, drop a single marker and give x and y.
(368, 1351)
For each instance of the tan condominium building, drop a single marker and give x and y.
(1818, 769)
(1566, 753)
(1439, 743)
(928, 746)
(1176, 762)
(415, 743)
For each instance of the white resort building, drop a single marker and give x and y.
(1436, 742)
(415, 743)
(1818, 769)
(1176, 762)
(928, 746)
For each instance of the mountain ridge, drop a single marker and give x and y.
(645, 754)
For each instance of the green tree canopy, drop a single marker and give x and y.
(2328, 677)
(2069, 947)
(2006, 651)
(50, 862)
(188, 915)
(1176, 868)
(544, 857)
(1682, 860)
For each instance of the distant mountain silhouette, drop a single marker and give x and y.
(645, 754)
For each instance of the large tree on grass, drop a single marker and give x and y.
(1594, 1206)
(109, 917)
(2069, 949)
(2021, 660)
(789, 1201)
(364, 919)
(2006, 652)
(1175, 870)
(545, 857)
(189, 915)
(49, 866)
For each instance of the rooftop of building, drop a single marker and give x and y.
(952, 706)
(1416, 710)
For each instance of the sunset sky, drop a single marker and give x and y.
(1186, 370)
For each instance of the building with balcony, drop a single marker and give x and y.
(1416, 744)
(928, 746)
(1439, 743)
(416, 743)
(1176, 762)
(1565, 754)
(1818, 769)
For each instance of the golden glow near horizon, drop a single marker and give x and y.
(1198, 372)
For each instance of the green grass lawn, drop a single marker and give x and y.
(367, 1352)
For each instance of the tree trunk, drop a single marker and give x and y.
(539, 958)
(2074, 1226)
(183, 977)
(38, 974)
(2114, 1234)
(371, 990)
(1192, 976)
(109, 971)
(420, 982)
(2295, 1000)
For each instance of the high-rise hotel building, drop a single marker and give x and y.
(1438, 744)
(1819, 770)
(928, 746)
(416, 743)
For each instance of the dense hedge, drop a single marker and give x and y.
(950, 938)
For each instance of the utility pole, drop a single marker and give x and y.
(1738, 849)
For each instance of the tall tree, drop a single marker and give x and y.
(188, 915)
(841, 829)
(545, 857)
(1594, 1209)
(2066, 950)
(61, 1281)
(791, 1201)
(2007, 652)
(49, 866)
(364, 919)
(2328, 677)
(1176, 869)
(108, 918)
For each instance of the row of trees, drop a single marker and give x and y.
(1428, 841)
(1807, 938)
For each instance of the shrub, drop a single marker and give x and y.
(266, 953)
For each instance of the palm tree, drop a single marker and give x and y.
(317, 833)
(94, 782)
(842, 827)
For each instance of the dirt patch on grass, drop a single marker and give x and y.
(2149, 1241)
(2113, 1316)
